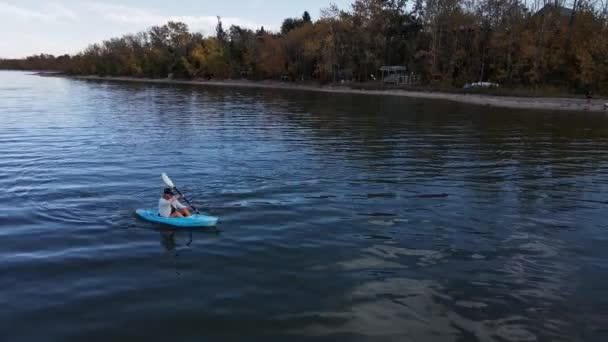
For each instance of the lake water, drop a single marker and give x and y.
(343, 217)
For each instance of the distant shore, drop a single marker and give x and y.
(540, 103)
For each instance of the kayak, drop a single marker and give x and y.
(194, 221)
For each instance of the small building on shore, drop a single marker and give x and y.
(396, 74)
(391, 73)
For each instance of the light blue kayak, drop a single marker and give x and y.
(194, 221)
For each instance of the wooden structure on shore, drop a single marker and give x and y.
(396, 74)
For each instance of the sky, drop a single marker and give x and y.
(57, 27)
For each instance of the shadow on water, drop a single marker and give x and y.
(169, 241)
(170, 237)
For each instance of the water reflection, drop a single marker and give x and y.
(436, 308)
(169, 240)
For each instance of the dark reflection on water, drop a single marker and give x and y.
(342, 217)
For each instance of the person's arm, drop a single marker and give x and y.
(177, 204)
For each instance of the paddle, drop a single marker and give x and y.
(170, 184)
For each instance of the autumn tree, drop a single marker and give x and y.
(270, 57)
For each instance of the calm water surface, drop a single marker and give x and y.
(351, 218)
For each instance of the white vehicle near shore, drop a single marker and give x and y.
(481, 85)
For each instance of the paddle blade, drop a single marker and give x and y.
(167, 180)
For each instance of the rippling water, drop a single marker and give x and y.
(342, 217)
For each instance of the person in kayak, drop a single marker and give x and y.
(169, 205)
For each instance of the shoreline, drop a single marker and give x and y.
(513, 102)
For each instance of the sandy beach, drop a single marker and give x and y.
(541, 103)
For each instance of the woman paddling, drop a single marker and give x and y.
(169, 205)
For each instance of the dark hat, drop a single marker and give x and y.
(168, 191)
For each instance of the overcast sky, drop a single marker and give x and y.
(67, 26)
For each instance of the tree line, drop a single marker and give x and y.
(515, 43)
